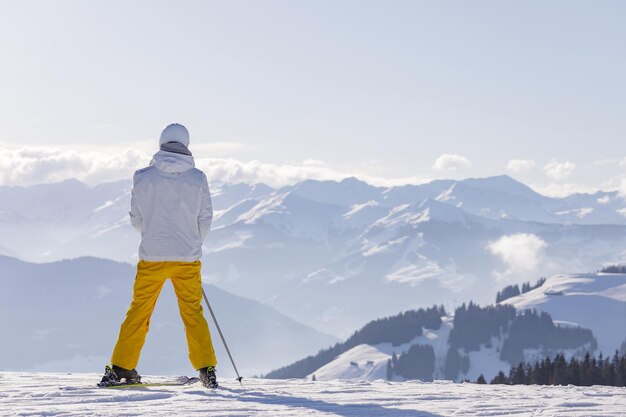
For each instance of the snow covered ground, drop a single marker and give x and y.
(41, 394)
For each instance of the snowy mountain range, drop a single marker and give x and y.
(65, 316)
(334, 255)
(487, 340)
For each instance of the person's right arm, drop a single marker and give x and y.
(135, 214)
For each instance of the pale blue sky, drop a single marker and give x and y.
(382, 88)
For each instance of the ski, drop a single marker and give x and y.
(180, 381)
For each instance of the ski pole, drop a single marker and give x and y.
(206, 300)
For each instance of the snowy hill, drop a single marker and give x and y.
(66, 315)
(587, 309)
(316, 251)
(75, 395)
(366, 362)
(594, 301)
(362, 362)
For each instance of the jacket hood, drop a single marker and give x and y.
(172, 162)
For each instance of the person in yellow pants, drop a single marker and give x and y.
(150, 278)
(171, 207)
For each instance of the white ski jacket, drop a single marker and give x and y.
(171, 207)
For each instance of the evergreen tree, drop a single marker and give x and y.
(585, 371)
(389, 370)
(573, 373)
(518, 375)
(539, 283)
(465, 364)
(509, 291)
(560, 367)
(453, 364)
(500, 379)
(608, 375)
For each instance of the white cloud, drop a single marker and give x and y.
(559, 170)
(520, 166)
(520, 252)
(34, 165)
(313, 162)
(617, 184)
(604, 200)
(231, 170)
(451, 162)
(621, 189)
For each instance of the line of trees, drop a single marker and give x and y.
(532, 329)
(398, 329)
(614, 269)
(558, 371)
(511, 291)
(475, 325)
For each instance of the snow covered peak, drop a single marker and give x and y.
(504, 183)
(347, 192)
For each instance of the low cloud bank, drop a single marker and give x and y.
(35, 165)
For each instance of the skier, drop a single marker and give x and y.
(171, 208)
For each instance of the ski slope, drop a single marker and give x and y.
(42, 394)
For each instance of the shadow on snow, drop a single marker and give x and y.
(346, 410)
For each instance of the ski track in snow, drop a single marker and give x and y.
(43, 394)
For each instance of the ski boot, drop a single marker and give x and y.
(113, 376)
(208, 378)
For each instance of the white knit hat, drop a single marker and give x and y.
(175, 133)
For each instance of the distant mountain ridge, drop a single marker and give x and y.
(318, 250)
(65, 316)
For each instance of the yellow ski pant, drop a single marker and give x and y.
(150, 278)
